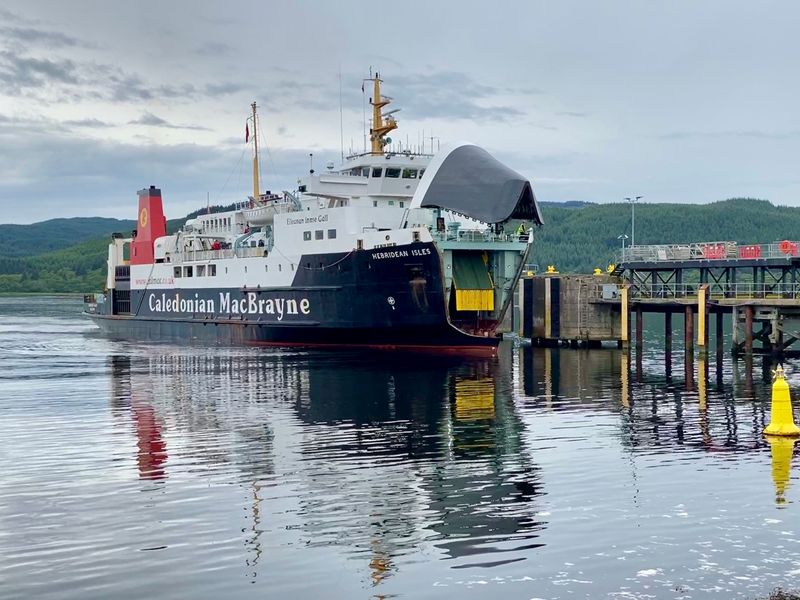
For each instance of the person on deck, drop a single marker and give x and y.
(216, 245)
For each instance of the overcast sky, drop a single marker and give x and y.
(676, 101)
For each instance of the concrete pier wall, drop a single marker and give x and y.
(570, 308)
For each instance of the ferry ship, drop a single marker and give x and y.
(395, 249)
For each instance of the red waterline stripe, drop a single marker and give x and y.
(482, 351)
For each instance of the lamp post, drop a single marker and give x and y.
(632, 202)
(623, 237)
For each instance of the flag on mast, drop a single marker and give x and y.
(246, 133)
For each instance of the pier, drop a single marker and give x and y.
(755, 285)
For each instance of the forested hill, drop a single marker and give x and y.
(576, 237)
(46, 236)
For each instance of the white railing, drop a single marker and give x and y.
(473, 236)
(208, 255)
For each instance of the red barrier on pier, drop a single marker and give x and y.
(714, 251)
(750, 251)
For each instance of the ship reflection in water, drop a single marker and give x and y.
(385, 453)
(152, 454)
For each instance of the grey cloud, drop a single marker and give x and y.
(149, 119)
(12, 126)
(42, 37)
(18, 73)
(25, 75)
(91, 122)
(152, 120)
(123, 87)
(452, 95)
(224, 88)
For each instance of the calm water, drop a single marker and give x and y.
(166, 471)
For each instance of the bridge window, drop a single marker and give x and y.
(318, 234)
(402, 204)
(201, 270)
(331, 234)
(391, 202)
(409, 173)
(377, 171)
(212, 270)
(421, 173)
(177, 272)
(187, 271)
(306, 236)
(365, 172)
(393, 173)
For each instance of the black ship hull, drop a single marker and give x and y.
(388, 299)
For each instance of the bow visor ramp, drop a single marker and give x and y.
(466, 179)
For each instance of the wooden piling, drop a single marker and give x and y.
(688, 329)
(720, 339)
(639, 328)
(668, 332)
(748, 330)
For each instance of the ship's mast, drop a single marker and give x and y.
(255, 153)
(379, 127)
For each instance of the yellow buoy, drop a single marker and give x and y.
(781, 418)
(597, 271)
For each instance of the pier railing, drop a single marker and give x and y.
(715, 291)
(708, 251)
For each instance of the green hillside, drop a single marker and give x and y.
(46, 236)
(575, 238)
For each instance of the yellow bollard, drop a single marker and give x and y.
(781, 449)
(781, 418)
